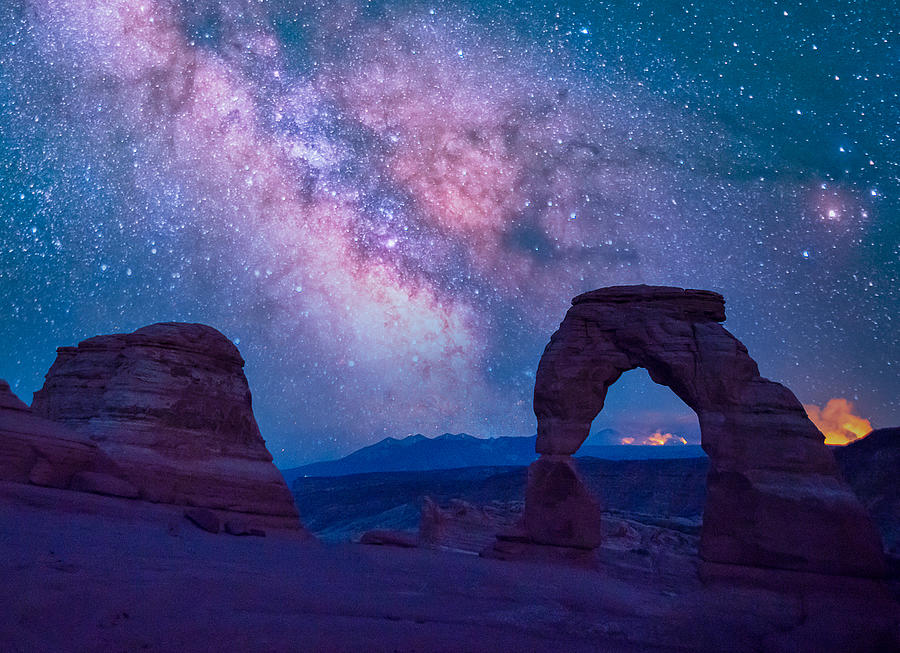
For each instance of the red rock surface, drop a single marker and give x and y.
(559, 509)
(171, 406)
(462, 526)
(89, 573)
(35, 450)
(775, 497)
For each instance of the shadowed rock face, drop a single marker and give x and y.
(171, 405)
(872, 465)
(561, 510)
(37, 451)
(775, 498)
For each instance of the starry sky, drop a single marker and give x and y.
(389, 205)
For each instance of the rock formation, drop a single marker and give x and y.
(871, 466)
(162, 414)
(774, 498)
(560, 509)
(462, 526)
(37, 451)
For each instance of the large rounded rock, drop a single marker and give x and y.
(171, 405)
(177, 388)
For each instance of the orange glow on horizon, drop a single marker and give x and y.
(657, 438)
(837, 422)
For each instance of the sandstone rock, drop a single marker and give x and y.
(103, 484)
(35, 450)
(526, 549)
(390, 538)
(204, 519)
(462, 526)
(774, 498)
(241, 527)
(622, 535)
(154, 387)
(50, 474)
(559, 509)
(516, 534)
(171, 405)
(9, 401)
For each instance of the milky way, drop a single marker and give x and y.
(388, 206)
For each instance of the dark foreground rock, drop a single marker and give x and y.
(83, 572)
(241, 527)
(462, 526)
(100, 483)
(872, 467)
(559, 508)
(204, 519)
(401, 539)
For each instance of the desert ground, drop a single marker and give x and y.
(88, 573)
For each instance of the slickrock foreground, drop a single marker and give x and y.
(163, 415)
(774, 494)
(107, 574)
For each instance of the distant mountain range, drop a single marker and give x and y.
(388, 491)
(456, 450)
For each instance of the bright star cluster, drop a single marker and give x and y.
(389, 205)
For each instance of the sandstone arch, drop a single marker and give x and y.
(774, 495)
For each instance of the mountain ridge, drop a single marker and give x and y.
(457, 450)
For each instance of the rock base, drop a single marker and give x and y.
(559, 509)
(516, 545)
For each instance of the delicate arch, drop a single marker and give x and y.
(774, 495)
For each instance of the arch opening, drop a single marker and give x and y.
(638, 411)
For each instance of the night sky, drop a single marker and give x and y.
(388, 206)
